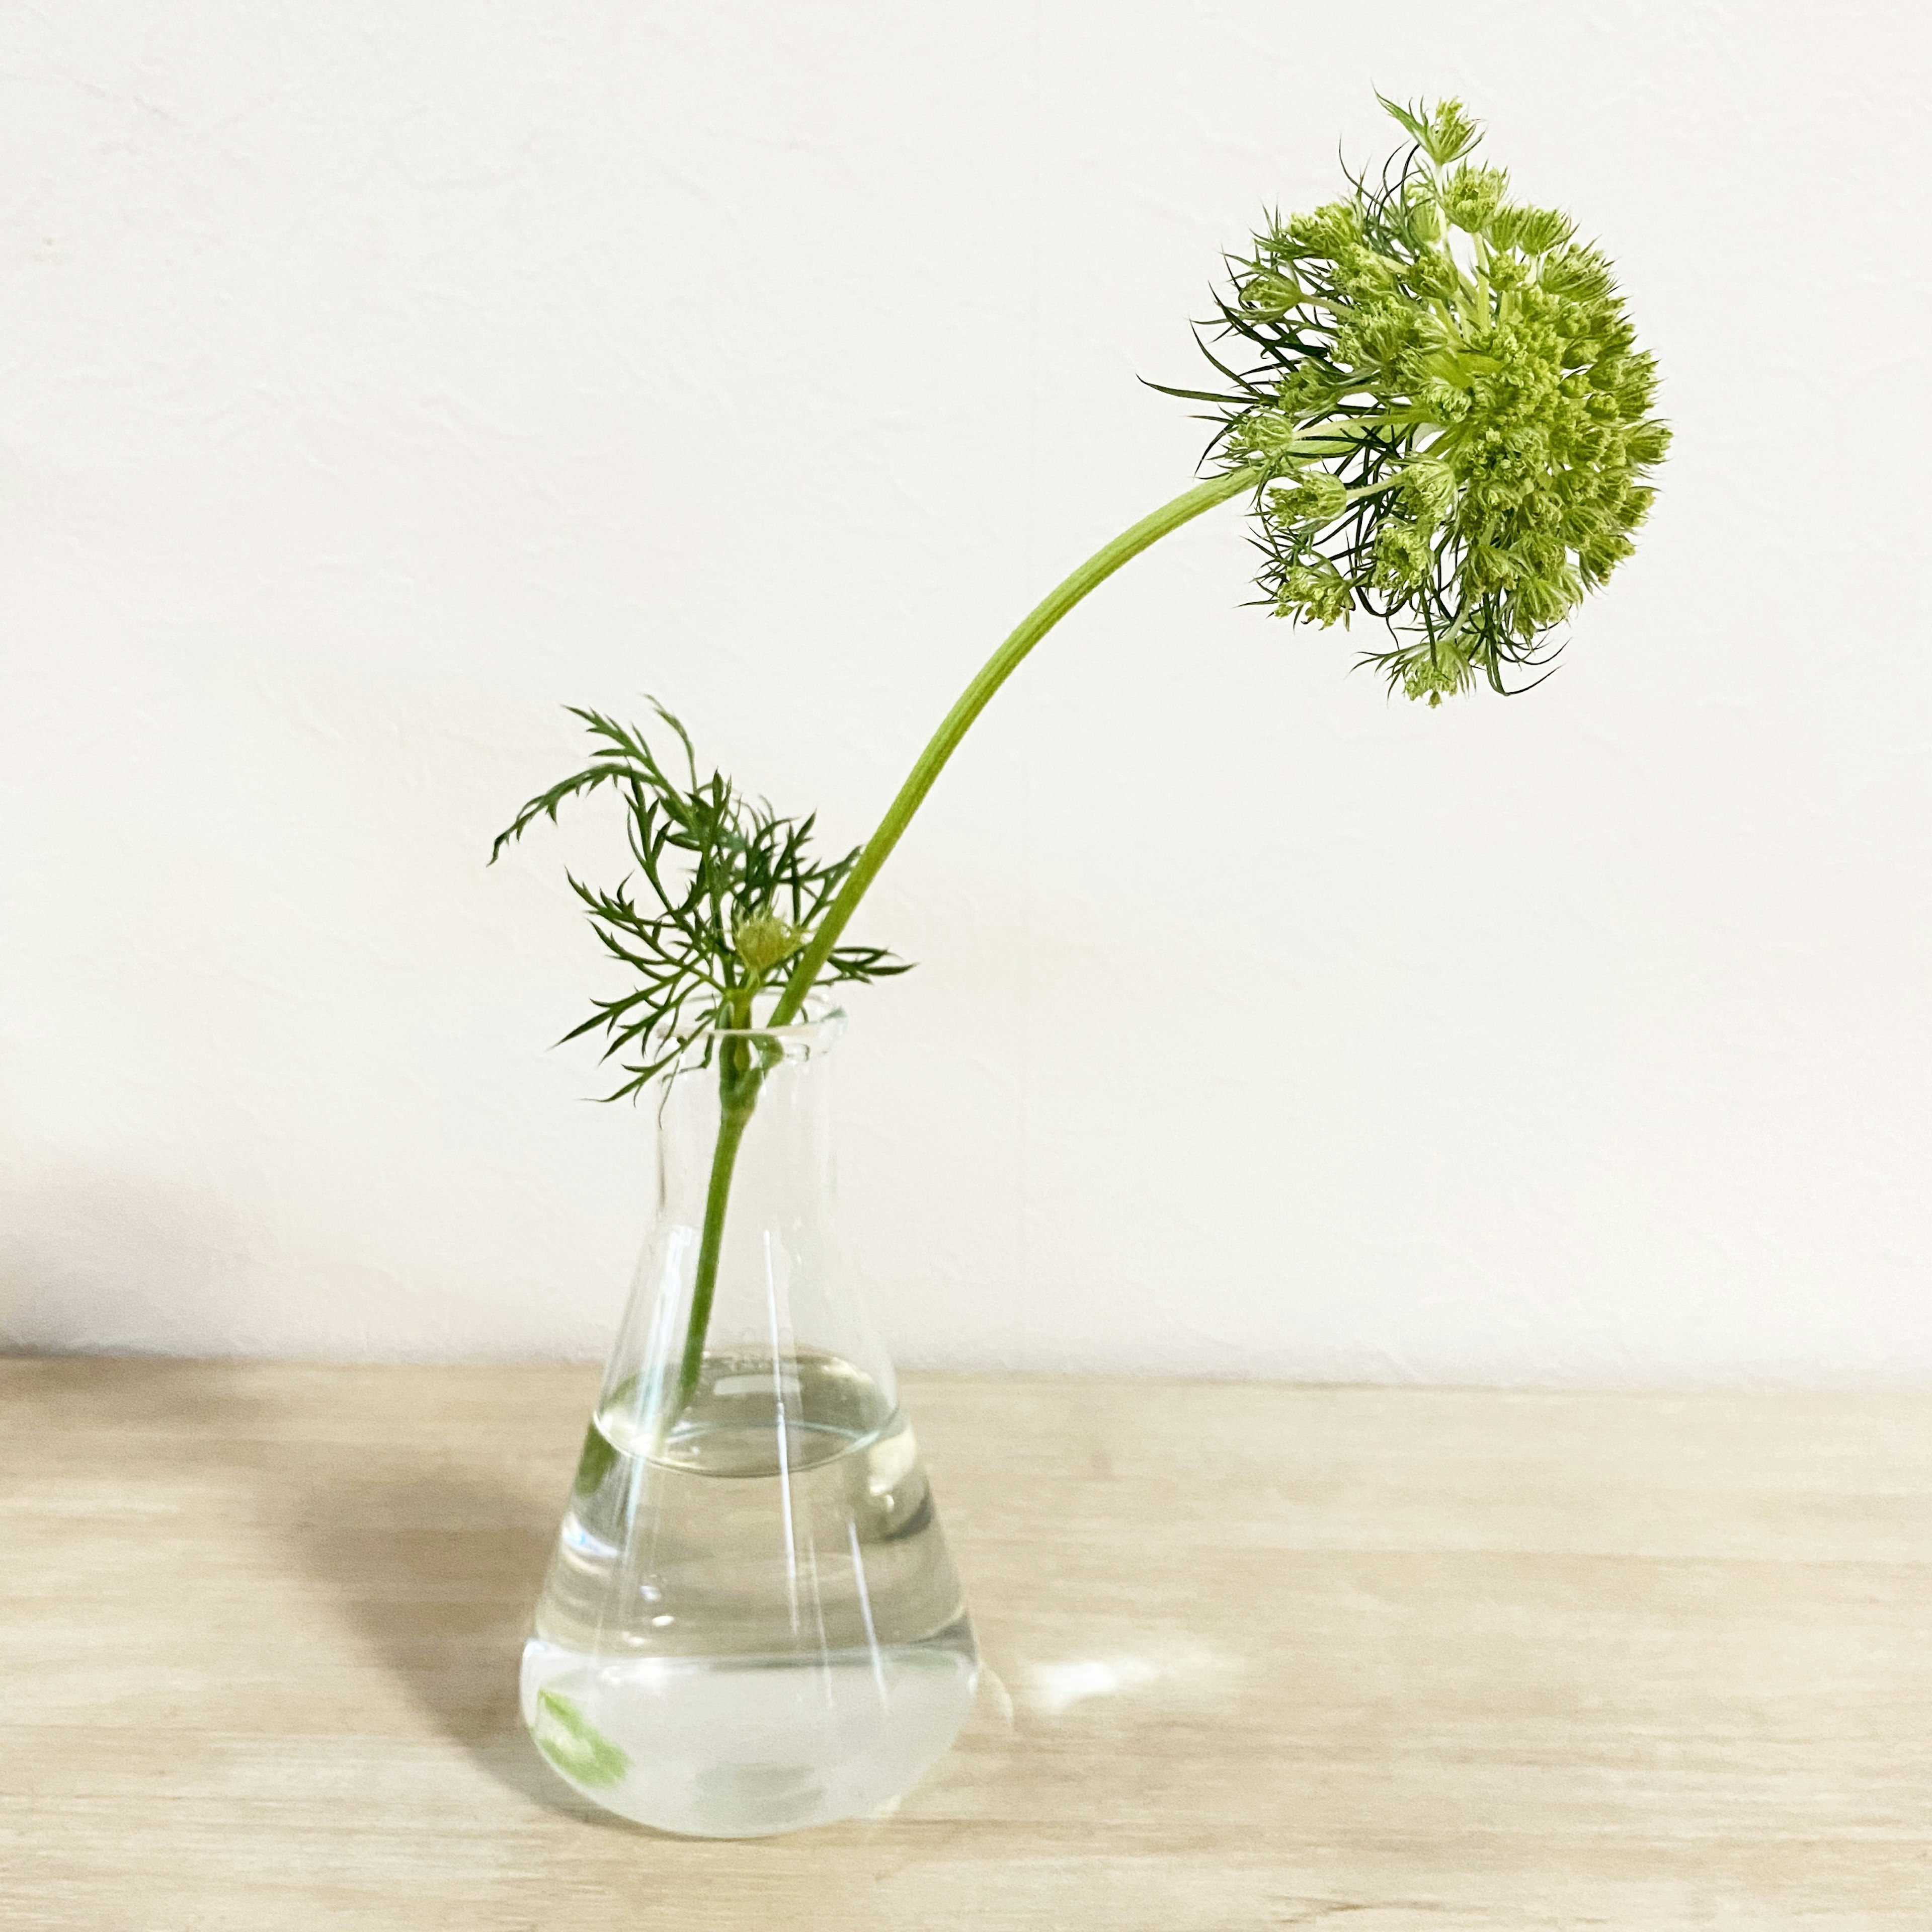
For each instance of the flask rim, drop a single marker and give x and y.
(817, 1031)
(821, 1014)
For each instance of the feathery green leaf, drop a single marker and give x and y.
(725, 891)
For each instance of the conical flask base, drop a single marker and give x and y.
(751, 1624)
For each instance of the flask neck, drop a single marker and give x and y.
(777, 1308)
(771, 1092)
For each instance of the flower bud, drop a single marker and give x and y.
(1381, 335)
(1271, 294)
(1445, 402)
(1451, 133)
(1402, 557)
(1470, 195)
(1579, 275)
(1647, 443)
(1430, 486)
(1328, 231)
(764, 940)
(1534, 230)
(1544, 599)
(1263, 433)
(1446, 133)
(1304, 391)
(1435, 277)
(1597, 559)
(1435, 674)
(1318, 591)
(1315, 498)
(1635, 505)
(1636, 384)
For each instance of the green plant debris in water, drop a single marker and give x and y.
(594, 1465)
(574, 1745)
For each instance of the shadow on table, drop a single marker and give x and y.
(433, 1551)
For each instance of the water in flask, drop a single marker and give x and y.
(750, 1622)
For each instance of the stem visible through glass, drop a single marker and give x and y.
(738, 1095)
(741, 1071)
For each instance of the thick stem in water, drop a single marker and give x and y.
(1000, 666)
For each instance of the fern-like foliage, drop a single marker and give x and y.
(725, 893)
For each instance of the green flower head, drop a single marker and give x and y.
(1317, 498)
(764, 940)
(1402, 559)
(1316, 590)
(1444, 133)
(1471, 196)
(1440, 395)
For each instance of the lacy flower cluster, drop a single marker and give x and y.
(1445, 404)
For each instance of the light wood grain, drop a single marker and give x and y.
(1412, 1661)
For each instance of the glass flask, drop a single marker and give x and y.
(750, 1623)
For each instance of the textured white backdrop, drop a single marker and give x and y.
(377, 379)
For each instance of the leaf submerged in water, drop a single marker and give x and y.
(574, 1745)
(594, 1465)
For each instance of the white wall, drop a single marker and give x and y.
(376, 379)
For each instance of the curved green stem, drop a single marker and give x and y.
(1000, 666)
(739, 1088)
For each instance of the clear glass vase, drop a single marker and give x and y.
(750, 1623)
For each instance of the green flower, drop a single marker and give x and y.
(1271, 295)
(1445, 134)
(1316, 591)
(1316, 498)
(1535, 230)
(1402, 557)
(1470, 195)
(764, 940)
(1459, 375)
(1440, 672)
(1430, 487)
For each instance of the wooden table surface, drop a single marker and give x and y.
(1412, 1661)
